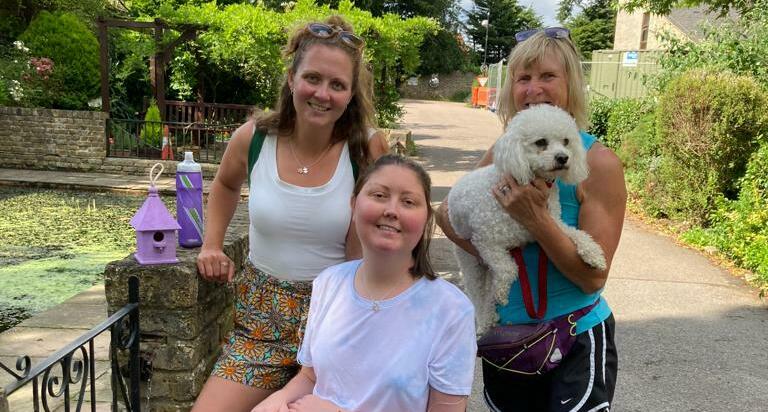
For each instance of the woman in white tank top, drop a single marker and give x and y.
(300, 188)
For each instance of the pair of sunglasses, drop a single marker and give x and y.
(324, 31)
(551, 32)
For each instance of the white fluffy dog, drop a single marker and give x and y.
(542, 141)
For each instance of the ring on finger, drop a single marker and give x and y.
(504, 189)
(224, 263)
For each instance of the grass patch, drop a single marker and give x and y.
(55, 244)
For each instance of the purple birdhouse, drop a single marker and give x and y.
(155, 232)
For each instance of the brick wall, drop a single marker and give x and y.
(450, 84)
(51, 139)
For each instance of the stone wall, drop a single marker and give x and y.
(52, 139)
(48, 139)
(183, 318)
(450, 85)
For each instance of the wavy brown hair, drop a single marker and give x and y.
(422, 266)
(353, 124)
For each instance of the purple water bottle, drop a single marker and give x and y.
(189, 201)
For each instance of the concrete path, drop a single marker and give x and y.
(691, 336)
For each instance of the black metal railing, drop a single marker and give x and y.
(167, 140)
(77, 365)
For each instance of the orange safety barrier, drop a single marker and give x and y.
(482, 96)
(474, 96)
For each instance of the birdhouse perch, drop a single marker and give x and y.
(156, 229)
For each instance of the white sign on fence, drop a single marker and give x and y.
(630, 59)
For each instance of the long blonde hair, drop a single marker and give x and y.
(531, 52)
(353, 124)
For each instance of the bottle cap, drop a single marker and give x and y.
(188, 157)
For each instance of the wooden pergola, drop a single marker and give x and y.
(157, 63)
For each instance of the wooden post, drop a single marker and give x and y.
(159, 68)
(104, 68)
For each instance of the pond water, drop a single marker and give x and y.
(55, 244)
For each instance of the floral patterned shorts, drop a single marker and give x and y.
(270, 317)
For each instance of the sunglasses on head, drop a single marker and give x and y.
(551, 32)
(325, 31)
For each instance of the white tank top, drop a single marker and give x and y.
(295, 232)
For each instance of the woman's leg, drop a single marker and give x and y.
(259, 356)
(224, 395)
(586, 378)
(507, 392)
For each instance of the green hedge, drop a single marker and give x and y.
(66, 40)
(707, 124)
(740, 227)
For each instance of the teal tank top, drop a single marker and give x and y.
(563, 296)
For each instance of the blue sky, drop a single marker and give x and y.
(547, 9)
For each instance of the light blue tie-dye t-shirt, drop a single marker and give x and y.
(387, 360)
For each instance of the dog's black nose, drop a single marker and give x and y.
(561, 159)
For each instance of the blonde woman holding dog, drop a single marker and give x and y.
(384, 334)
(300, 161)
(556, 308)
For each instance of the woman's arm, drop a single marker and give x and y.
(442, 402)
(223, 197)
(603, 197)
(301, 385)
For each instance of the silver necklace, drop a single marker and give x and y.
(375, 303)
(302, 169)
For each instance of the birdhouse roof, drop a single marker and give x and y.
(153, 215)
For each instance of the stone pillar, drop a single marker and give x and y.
(183, 319)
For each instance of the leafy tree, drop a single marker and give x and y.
(593, 27)
(441, 53)
(505, 19)
(65, 39)
(739, 47)
(663, 7)
(15, 15)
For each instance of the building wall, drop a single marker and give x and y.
(629, 28)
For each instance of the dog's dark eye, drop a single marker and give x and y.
(542, 143)
(565, 142)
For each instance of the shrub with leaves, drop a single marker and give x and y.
(67, 41)
(623, 118)
(599, 110)
(152, 133)
(740, 227)
(708, 125)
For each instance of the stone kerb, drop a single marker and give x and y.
(183, 318)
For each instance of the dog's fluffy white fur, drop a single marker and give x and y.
(541, 141)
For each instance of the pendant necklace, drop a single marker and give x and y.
(302, 169)
(375, 303)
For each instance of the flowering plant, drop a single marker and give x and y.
(23, 79)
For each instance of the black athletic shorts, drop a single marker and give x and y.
(584, 381)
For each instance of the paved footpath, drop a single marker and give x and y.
(691, 336)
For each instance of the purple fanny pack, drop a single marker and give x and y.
(530, 349)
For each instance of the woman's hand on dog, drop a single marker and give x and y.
(527, 204)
